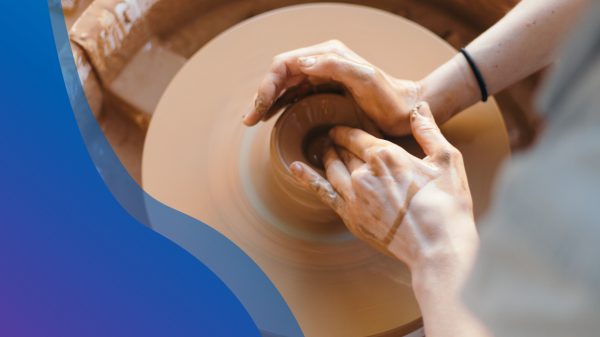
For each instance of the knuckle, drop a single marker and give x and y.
(331, 60)
(380, 150)
(317, 184)
(350, 133)
(277, 60)
(376, 73)
(323, 190)
(335, 43)
(359, 176)
(328, 195)
(371, 154)
(454, 152)
(385, 153)
(355, 176)
(448, 154)
(368, 75)
(373, 160)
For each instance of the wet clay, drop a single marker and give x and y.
(301, 134)
(69, 6)
(200, 159)
(314, 145)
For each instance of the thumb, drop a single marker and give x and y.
(425, 130)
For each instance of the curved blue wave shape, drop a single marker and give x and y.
(233, 267)
(73, 262)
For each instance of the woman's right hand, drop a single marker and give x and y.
(418, 210)
(386, 100)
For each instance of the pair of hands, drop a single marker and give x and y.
(405, 206)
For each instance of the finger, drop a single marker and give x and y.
(290, 95)
(378, 164)
(426, 131)
(355, 140)
(318, 185)
(284, 73)
(350, 160)
(337, 174)
(352, 74)
(309, 86)
(273, 84)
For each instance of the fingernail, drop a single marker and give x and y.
(332, 133)
(296, 169)
(415, 111)
(413, 114)
(307, 61)
(246, 114)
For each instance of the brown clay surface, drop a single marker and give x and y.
(200, 159)
(126, 137)
(144, 79)
(72, 9)
(300, 134)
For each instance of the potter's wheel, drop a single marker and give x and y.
(200, 159)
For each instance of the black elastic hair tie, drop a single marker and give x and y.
(477, 73)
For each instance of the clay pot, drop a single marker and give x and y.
(301, 134)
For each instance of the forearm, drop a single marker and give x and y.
(438, 281)
(521, 43)
(445, 315)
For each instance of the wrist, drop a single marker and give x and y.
(440, 102)
(445, 265)
(449, 89)
(436, 281)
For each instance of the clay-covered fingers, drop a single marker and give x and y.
(318, 185)
(282, 75)
(289, 96)
(350, 160)
(359, 149)
(428, 134)
(354, 140)
(337, 173)
(285, 71)
(355, 75)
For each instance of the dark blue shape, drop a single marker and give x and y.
(73, 262)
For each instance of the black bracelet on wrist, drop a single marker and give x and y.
(477, 73)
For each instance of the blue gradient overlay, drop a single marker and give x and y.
(75, 259)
